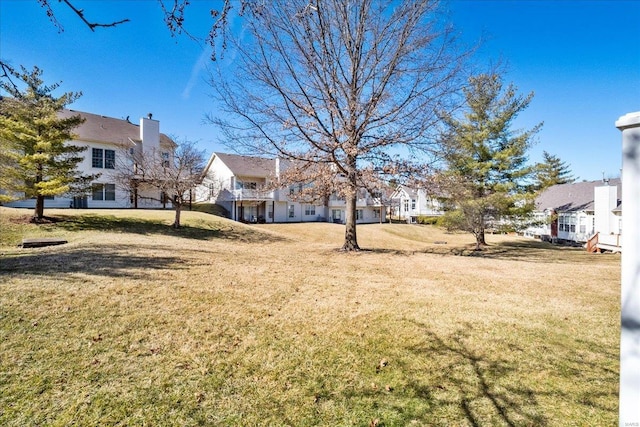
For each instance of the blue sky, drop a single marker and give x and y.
(581, 58)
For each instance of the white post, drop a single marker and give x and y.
(629, 124)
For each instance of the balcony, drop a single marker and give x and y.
(247, 194)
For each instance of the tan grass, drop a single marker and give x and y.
(132, 323)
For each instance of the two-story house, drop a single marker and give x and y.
(409, 203)
(109, 141)
(248, 188)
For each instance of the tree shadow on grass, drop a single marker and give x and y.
(532, 251)
(473, 382)
(203, 231)
(107, 260)
(479, 383)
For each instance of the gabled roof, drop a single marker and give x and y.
(574, 197)
(258, 167)
(98, 128)
(409, 192)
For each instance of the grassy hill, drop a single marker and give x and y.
(221, 323)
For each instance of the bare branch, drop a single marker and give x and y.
(46, 4)
(342, 83)
(92, 25)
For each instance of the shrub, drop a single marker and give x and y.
(428, 220)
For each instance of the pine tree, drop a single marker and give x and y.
(552, 171)
(485, 160)
(40, 162)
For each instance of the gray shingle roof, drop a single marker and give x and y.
(259, 167)
(98, 128)
(572, 197)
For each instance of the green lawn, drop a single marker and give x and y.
(220, 323)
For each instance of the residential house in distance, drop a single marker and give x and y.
(408, 204)
(107, 139)
(588, 212)
(247, 187)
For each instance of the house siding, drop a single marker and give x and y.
(285, 208)
(116, 136)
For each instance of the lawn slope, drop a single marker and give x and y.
(133, 323)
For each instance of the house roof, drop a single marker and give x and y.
(248, 165)
(408, 192)
(574, 197)
(97, 128)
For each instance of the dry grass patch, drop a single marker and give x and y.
(226, 324)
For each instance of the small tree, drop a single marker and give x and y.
(551, 171)
(37, 162)
(485, 159)
(174, 175)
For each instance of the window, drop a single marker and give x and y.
(103, 191)
(292, 211)
(109, 191)
(165, 159)
(96, 157)
(406, 205)
(413, 204)
(359, 214)
(103, 158)
(291, 190)
(376, 213)
(98, 192)
(309, 210)
(109, 159)
(336, 214)
(212, 191)
(567, 223)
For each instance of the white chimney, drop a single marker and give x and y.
(150, 133)
(605, 199)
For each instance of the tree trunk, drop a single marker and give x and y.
(176, 221)
(480, 241)
(38, 213)
(350, 238)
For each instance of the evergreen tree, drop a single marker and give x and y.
(38, 162)
(551, 171)
(485, 158)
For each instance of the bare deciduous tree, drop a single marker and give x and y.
(352, 84)
(172, 176)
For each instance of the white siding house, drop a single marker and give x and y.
(582, 212)
(408, 204)
(107, 139)
(247, 187)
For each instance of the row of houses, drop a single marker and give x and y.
(247, 188)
